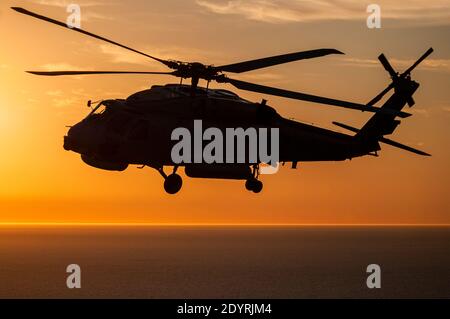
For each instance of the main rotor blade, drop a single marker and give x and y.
(64, 25)
(423, 57)
(275, 60)
(308, 97)
(59, 73)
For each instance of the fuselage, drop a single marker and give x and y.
(138, 130)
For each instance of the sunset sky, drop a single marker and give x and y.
(40, 182)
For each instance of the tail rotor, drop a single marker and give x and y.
(397, 77)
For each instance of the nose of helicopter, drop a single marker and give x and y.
(78, 138)
(71, 140)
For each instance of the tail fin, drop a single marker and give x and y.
(385, 140)
(384, 123)
(404, 88)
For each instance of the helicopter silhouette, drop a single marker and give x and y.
(138, 130)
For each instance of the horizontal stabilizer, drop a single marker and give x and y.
(403, 147)
(385, 140)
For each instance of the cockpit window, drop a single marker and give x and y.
(106, 106)
(98, 109)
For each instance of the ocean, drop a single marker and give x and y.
(224, 261)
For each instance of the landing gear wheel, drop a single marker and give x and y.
(249, 184)
(254, 185)
(173, 183)
(257, 188)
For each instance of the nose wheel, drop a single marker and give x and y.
(253, 184)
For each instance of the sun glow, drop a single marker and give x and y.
(41, 182)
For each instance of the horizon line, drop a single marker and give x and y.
(146, 224)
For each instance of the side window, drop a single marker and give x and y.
(139, 132)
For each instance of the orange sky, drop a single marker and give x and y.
(40, 182)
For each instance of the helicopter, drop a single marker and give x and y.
(139, 130)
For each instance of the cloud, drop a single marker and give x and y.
(421, 112)
(287, 11)
(64, 102)
(267, 76)
(266, 11)
(86, 15)
(120, 56)
(436, 65)
(62, 99)
(60, 67)
(90, 15)
(54, 93)
(65, 3)
(64, 67)
(264, 78)
(80, 92)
